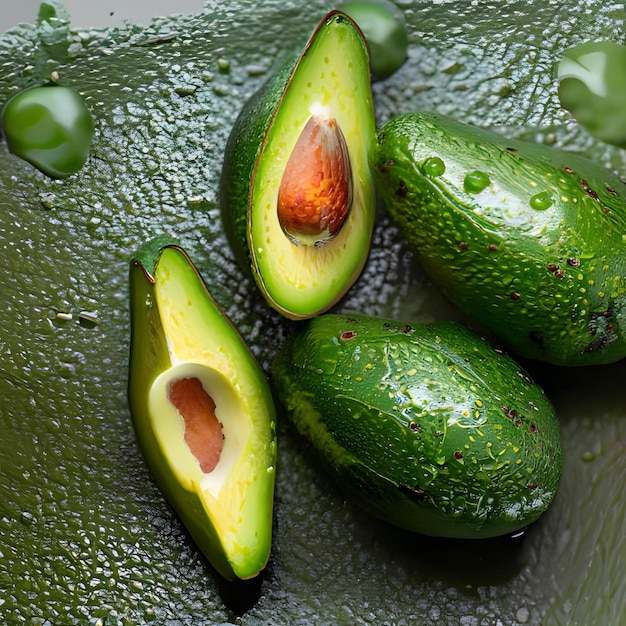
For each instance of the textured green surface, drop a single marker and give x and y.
(84, 533)
(425, 425)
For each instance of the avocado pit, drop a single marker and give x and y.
(203, 431)
(315, 193)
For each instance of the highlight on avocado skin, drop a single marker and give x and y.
(297, 194)
(426, 426)
(50, 127)
(526, 239)
(202, 411)
(592, 86)
(385, 29)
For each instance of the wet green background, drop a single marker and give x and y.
(85, 536)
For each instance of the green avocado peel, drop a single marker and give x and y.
(202, 411)
(528, 240)
(426, 426)
(297, 195)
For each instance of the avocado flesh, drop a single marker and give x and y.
(330, 80)
(85, 534)
(182, 336)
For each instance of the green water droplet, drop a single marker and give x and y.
(49, 127)
(592, 88)
(476, 181)
(541, 201)
(433, 166)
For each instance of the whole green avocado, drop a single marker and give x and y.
(426, 426)
(528, 240)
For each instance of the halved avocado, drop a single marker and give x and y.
(298, 198)
(202, 410)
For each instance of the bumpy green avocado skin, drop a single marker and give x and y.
(528, 240)
(427, 426)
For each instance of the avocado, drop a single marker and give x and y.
(526, 239)
(297, 195)
(85, 535)
(202, 411)
(426, 426)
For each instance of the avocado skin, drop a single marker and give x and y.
(382, 403)
(549, 281)
(244, 144)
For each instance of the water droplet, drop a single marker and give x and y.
(433, 166)
(476, 181)
(541, 201)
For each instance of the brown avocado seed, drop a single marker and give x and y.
(315, 193)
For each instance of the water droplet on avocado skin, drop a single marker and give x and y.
(433, 166)
(475, 182)
(541, 201)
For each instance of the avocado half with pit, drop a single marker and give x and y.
(202, 411)
(297, 195)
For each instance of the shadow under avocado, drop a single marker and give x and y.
(239, 596)
(463, 563)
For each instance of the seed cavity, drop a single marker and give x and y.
(203, 431)
(315, 193)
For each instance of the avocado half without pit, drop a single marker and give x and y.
(297, 195)
(202, 410)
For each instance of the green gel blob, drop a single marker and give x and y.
(433, 166)
(475, 182)
(385, 30)
(541, 201)
(592, 88)
(50, 127)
